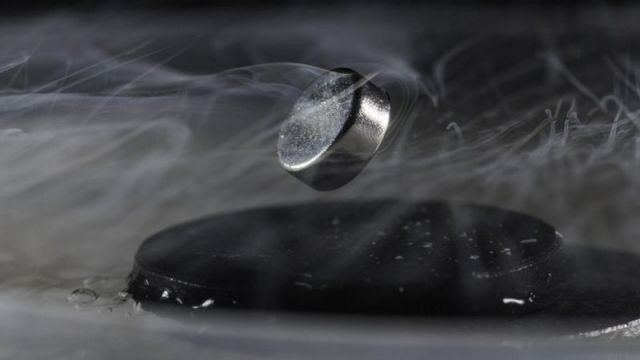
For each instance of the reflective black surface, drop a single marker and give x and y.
(373, 257)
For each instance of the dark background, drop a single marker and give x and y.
(39, 6)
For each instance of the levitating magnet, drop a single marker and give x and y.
(334, 129)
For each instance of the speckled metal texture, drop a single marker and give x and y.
(334, 129)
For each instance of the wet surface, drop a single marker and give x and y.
(425, 259)
(376, 257)
(388, 258)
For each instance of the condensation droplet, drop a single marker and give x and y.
(205, 304)
(165, 294)
(82, 296)
(208, 303)
(512, 301)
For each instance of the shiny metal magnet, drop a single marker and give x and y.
(334, 129)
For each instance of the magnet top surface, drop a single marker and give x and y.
(321, 114)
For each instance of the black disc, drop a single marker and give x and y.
(390, 257)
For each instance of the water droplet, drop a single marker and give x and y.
(205, 304)
(427, 245)
(165, 294)
(474, 257)
(399, 257)
(335, 222)
(512, 301)
(82, 296)
(529, 241)
(506, 251)
(123, 295)
(401, 289)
